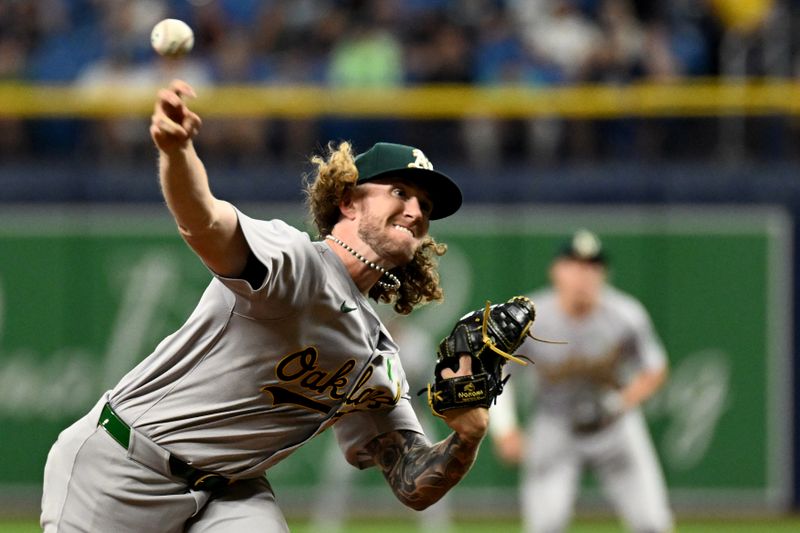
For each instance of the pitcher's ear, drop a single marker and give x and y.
(347, 205)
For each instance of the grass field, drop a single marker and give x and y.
(488, 526)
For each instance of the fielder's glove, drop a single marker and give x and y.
(594, 411)
(489, 336)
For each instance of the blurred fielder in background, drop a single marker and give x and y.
(587, 396)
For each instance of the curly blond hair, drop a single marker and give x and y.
(336, 176)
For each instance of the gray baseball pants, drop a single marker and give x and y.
(92, 483)
(623, 459)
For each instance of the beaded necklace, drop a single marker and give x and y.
(395, 282)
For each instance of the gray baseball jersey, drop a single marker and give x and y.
(255, 372)
(602, 349)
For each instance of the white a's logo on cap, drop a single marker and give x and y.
(420, 160)
(585, 243)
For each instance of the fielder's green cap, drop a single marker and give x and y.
(583, 245)
(386, 160)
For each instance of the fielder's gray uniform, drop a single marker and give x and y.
(613, 341)
(251, 376)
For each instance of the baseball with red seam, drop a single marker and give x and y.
(172, 38)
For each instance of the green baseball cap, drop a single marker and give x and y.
(386, 160)
(583, 245)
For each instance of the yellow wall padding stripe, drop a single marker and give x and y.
(699, 98)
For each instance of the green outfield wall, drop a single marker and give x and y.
(85, 294)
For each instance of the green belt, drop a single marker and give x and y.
(196, 479)
(115, 426)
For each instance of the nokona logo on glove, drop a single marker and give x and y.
(459, 392)
(470, 391)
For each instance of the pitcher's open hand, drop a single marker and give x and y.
(173, 124)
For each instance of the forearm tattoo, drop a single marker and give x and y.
(418, 472)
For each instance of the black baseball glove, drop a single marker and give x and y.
(489, 336)
(593, 409)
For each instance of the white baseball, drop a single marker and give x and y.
(172, 37)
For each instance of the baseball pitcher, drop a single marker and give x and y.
(283, 344)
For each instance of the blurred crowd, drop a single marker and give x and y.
(389, 43)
